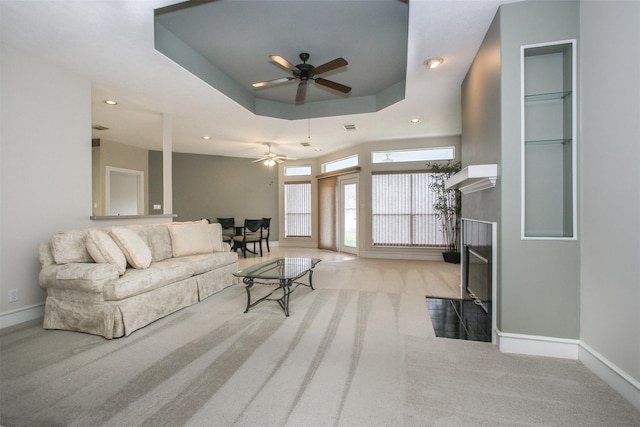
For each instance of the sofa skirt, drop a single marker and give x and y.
(71, 310)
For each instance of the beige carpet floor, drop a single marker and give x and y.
(357, 351)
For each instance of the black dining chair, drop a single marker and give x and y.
(251, 233)
(228, 228)
(266, 231)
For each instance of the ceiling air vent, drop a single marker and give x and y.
(99, 127)
(350, 127)
(305, 144)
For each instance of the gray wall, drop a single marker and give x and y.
(610, 178)
(215, 186)
(481, 137)
(540, 288)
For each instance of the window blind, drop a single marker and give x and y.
(403, 212)
(297, 209)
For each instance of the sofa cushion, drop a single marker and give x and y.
(69, 247)
(190, 239)
(88, 277)
(135, 282)
(103, 249)
(207, 262)
(157, 238)
(135, 250)
(215, 235)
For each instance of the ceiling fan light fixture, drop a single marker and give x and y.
(434, 62)
(270, 162)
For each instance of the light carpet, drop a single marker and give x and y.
(359, 350)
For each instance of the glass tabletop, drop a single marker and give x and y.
(279, 268)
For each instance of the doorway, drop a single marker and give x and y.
(125, 191)
(348, 228)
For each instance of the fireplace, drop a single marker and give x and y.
(477, 268)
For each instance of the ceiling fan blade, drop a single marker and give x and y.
(333, 85)
(283, 62)
(331, 65)
(301, 94)
(270, 82)
(259, 160)
(278, 159)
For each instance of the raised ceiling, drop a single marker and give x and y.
(227, 44)
(111, 43)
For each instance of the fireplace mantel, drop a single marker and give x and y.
(474, 178)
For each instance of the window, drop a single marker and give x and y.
(403, 212)
(297, 209)
(414, 155)
(343, 163)
(297, 170)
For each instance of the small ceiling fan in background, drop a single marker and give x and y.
(270, 159)
(305, 72)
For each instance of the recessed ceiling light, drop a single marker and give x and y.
(207, 137)
(433, 62)
(110, 102)
(414, 121)
(318, 149)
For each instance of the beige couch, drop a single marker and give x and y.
(111, 282)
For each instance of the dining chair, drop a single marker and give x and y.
(228, 228)
(266, 231)
(251, 233)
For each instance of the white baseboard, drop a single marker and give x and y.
(534, 345)
(21, 315)
(618, 379)
(402, 255)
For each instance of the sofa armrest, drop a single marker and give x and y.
(88, 277)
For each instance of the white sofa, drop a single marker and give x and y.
(111, 282)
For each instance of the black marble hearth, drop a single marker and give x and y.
(459, 319)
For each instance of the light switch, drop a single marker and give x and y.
(157, 207)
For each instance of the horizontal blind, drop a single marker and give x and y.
(403, 212)
(297, 209)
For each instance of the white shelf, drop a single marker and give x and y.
(473, 178)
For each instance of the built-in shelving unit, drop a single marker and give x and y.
(548, 141)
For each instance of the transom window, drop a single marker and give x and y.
(343, 163)
(297, 170)
(413, 155)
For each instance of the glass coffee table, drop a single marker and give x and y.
(281, 272)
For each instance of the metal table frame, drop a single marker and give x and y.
(275, 273)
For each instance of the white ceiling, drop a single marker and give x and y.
(112, 42)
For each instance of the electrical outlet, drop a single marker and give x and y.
(13, 295)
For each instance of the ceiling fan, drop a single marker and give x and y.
(270, 159)
(305, 72)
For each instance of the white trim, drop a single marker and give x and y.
(534, 345)
(618, 379)
(20, 315)
(423, 256)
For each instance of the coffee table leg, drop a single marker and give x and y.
(310, 277)
(249, 282)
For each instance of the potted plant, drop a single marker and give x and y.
(447, 207)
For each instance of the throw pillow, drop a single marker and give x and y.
(103, 249)
(135, 250)
(69, 247)
(190, 239)
(215, 235)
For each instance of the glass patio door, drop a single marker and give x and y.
(348, 237)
